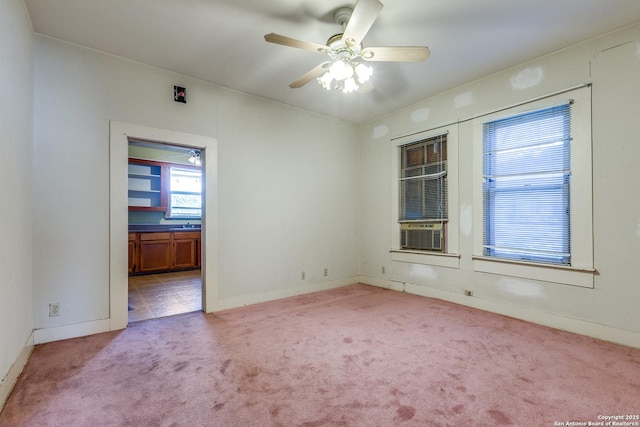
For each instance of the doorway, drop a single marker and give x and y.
(120, 134)
(164, 191)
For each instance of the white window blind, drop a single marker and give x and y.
(423, 180)
(526, 186)
(185, 193)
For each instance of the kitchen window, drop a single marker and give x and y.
(185, 193)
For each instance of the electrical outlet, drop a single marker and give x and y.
(468, 292)
(325, 272)
(302, 275)
(54, 309)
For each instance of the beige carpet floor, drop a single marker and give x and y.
(354, 356)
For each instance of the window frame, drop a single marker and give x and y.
(450, 257)
(506, 188)
(170, 192)
(581, 270)
(423, 179)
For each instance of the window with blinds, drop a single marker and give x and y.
(423, 193)
(526, 186)
(185, 193)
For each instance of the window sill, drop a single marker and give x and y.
(566, 275)
(427, 258)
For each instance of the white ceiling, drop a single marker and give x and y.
(222, 41)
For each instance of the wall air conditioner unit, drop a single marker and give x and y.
(426, 236)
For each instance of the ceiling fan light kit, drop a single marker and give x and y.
(344, 71)
(194, 159)
(346, 74)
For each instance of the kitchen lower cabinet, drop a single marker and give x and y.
(157, 252)
(185, 250)
(133, 253)
(199, 252)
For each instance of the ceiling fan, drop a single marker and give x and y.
(343, 70)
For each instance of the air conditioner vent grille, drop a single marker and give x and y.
(427, 236)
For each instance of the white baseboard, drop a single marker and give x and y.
(248, 299)
(105, 325)
(382, 283)
(71, 331)
(9, 380)
(529, 314)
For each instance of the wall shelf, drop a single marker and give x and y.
(146, 185)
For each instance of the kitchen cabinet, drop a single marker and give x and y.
(147, 185)
(157, 252)
(185, 249)
(199, 252)
(133, 253)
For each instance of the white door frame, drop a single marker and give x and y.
(120, 133)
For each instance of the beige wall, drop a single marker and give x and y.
(16, 130)
(609, 309)
(287, 187)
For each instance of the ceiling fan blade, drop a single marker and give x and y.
(310, 75)
(364, 15)
(396, 54)
(288, 41)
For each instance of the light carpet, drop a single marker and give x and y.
(353, 356)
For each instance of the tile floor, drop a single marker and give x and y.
(166, 294)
